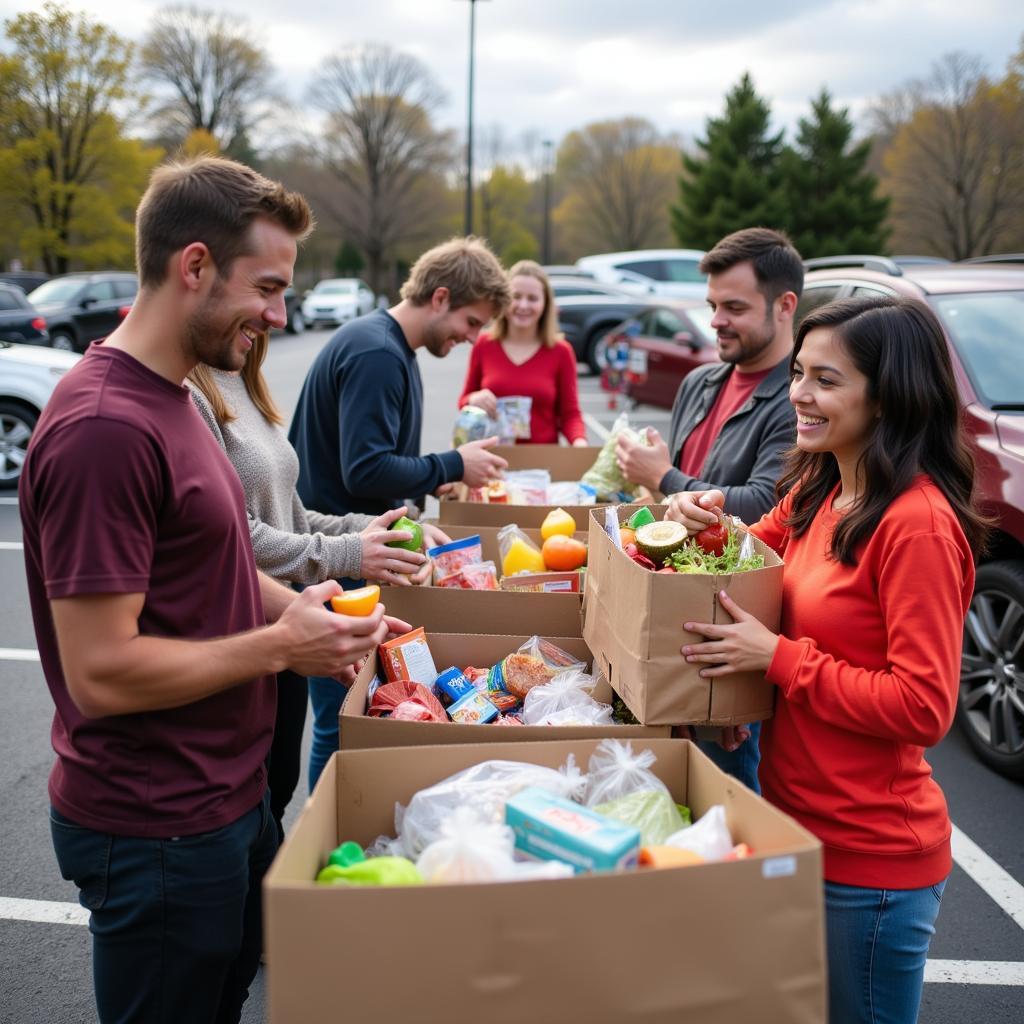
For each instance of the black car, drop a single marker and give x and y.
(19, 319)
(26, 280)
(587, 320)
(79, 308)
(296, 322)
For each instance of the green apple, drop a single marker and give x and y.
(415, 543)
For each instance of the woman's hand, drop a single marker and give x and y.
(696, 510)
(386, 564)
(484, 399)
(580, 442)
(745, 645)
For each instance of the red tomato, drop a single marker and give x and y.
(668, 568)
(713, 539)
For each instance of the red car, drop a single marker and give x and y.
(666, 342)
(981, 307)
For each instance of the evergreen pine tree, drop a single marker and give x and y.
(832, 201)
(733, 182)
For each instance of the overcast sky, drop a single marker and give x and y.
(554, 65)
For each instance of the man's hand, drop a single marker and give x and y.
(484, 399)
(386, 564)
(480, 466)
(643, 464)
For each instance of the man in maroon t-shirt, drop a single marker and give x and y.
(732, 422)
(151, 618)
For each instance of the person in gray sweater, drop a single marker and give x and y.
(291, 543)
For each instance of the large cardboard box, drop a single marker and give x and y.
(713, 944)
(358, 730)
(633, 622)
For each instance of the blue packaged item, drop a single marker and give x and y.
(456, 545)
(451, 685)
(473, 709)
(547, 827)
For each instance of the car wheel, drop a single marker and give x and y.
(296, 322)
(62, 340)
(16, 425)
(597, 348)
(990, 708)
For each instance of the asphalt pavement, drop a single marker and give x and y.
(976, 968)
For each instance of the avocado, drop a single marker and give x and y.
(658, 540)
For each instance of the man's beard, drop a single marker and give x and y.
(436, 337)
(751, 345)
(207, 339)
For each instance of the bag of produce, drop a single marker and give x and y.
(708, 837)
(604, 476)
(566, 700)
(518, 552)
(621, 785)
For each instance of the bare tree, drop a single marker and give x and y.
(217, 74)
(383, 150)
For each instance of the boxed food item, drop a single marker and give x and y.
(408, 657)
(711, 943)
(632, 621)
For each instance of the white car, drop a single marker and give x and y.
(336, 301)
(674, 273)
(28, 375)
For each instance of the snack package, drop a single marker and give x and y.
(527, 486)
(484, 788)
(604, 475)
(513, 420)
(408, 657)
(451, 685)
(387, 699)
(544, 582)
(471, 424)
(709, 836)
(621, 786)
(518, 552)
(473, 709)
(479, 576)
(565, 700)
(538, 661)
(449, 558)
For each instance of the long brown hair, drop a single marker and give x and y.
(547, 326)
(898, 344)
(252, 377)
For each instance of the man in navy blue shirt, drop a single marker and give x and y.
(358, 421)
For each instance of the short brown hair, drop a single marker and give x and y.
(213, 201)
(547, 328)
(777, 265)
(466, 267)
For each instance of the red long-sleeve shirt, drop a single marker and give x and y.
(867, 670)
(548, 377)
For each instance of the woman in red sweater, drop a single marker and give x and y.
(879, 535)
(523, 354)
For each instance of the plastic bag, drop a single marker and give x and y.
(513, 420)
(570, 492)
(389, 697)
(709, 836)
(450, 558)
(527, 486)
(468, 850)
(471, 424)
(621, 785)
(537, 662)
(604, 475)
(566, 700)
(483, 789)
(518, 552)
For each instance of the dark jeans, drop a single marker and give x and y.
(742, 762)
(284, 762)
(176, 923)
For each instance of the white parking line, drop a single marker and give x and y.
(42, 911)
(11, 545)
(973, 972)
(997, 883)
(18, 654)
(8, 501)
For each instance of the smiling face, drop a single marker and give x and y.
(445, 327)
(830, 395)
(248, 301)
(527, 305)
(744, 320)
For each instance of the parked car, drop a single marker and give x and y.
(580, 285)
(672, 273)
(79, 308)
(982, 311)
(336, 301)
(296, 322)
(998, 257)
(19, 319)
(28, 375)
(666, 342)
(565, 270)
(26, 280)
(586, 320)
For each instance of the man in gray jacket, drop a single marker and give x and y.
(731, 422)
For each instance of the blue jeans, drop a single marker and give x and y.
(877, 946)
(325, 697)
(176, 923)
(740, 763)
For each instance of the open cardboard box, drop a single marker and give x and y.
(633, 622)
(358, 730)
(711, 944)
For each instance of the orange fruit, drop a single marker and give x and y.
(564, 554)
(357, 602)
(627, 535)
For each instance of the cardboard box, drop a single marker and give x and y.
(633, 622)
(448, 610)
(358, 730)
(712, 944)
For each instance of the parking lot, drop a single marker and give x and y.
(976, 970)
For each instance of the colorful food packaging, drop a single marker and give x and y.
(528, 486)
(475, 576)
(408, 657)
(471, 424)
(449, 558)
(451, 685)
(473, 709)
(544, 582)
(550, 828)
(389, 697)
(504, 701)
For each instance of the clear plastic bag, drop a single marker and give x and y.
(518, 553)
(471, 424)
(537, 662)
(566, 700)
(527, 486)
(621, 785)
(709, 836)
(468, 850)
(513, 420)
(570, 492)
(484, 789)
(604, 475)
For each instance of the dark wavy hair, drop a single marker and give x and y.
(898, 344)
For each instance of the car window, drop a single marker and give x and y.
(666, 324)
(813, 297)
(701, 317)
(10, 300)
(100, 291)
(654, 269)
(863, 290)
(647, 324)
(126, 288)
(684, 271)
(57, 290)
(335, 288)
(987, 329)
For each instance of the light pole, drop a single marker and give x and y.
(469, 130)
(548, 144)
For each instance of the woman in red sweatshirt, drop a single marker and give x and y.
(523, 354)
(879, 535)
